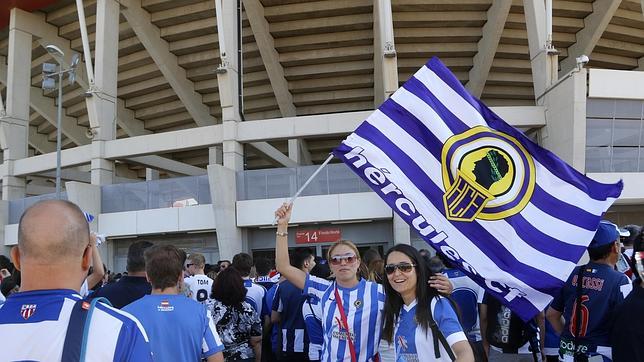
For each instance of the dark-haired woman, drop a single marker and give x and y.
(238, 324)
(411, 307)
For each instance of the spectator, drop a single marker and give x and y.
(200, 285)
(590, 297)
(467, 295)
(54, 255)
(371, 255)
(256, 293)
(506, 337)
(96, 272)
(312, 314)
(415, 315)
(349, 296)
(263, 267)
(237, 321)
(270, 340)
(180, 329)
(132, 286)
(287, 309)
(223, 264)
(628, 331)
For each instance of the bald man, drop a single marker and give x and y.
(53, 255)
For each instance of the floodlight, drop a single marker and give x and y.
(54, 50)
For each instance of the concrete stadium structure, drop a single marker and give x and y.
(191, 121)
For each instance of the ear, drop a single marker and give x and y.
(87, 258)
(15, 257)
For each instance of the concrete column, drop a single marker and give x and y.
(223, 191)
(101, 106)
(401, 231)
(386, 82)
(102, 169)
(151, 174)
(14, 126)
(4, 220)
(216, 155)
(88, 198)
(385, 59)
(565, 130)
(544, 62)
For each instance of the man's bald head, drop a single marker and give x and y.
(52, 231)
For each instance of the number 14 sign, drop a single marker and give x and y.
(330, 235)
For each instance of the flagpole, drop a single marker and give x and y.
(297, 194)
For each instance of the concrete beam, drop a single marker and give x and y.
(274, 154)
(270, 57)
(334, 124)
(167, 164)
(70, 157)
(594, 25)
(168, 64)
(164, 142)
(497, 15)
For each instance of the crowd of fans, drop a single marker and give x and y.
(404, 306)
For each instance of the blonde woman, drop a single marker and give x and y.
(351, 306)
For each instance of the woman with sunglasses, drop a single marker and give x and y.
(351, 306)
(416, 318)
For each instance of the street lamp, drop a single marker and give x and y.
(49, 74)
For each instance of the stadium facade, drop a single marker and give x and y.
(190, 121)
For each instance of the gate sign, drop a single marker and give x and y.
(330, 235)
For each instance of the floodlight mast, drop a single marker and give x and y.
(48, 75)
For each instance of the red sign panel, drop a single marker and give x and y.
(318, 236)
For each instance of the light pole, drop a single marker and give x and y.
(50, 72)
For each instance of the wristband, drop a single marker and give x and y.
(281, 233)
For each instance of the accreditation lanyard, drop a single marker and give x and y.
(345, 325)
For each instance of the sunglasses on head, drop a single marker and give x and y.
(403, 267)
(337, 260)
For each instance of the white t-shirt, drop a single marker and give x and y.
(200, 287)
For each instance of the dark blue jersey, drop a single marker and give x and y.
(290, 299)
(603, 289)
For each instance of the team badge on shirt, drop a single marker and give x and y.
(165, 306)
(27, 310)
(402, 342)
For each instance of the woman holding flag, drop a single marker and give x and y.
(417, 320)
(352, 308)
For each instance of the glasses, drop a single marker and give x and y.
(403, 267)
(337, 260)
(189, 265)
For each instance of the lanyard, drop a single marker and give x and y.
(343, 323)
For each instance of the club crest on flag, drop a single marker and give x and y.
(27, 310)
(487, 175)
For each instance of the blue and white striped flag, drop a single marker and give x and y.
(509, 213)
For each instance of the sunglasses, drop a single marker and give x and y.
(337, 260)
(189, 265)
(403, 267)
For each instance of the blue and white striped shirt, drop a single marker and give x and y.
(33, 326)
(411, 340)
(363, 306)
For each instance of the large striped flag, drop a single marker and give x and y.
(509, 213)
